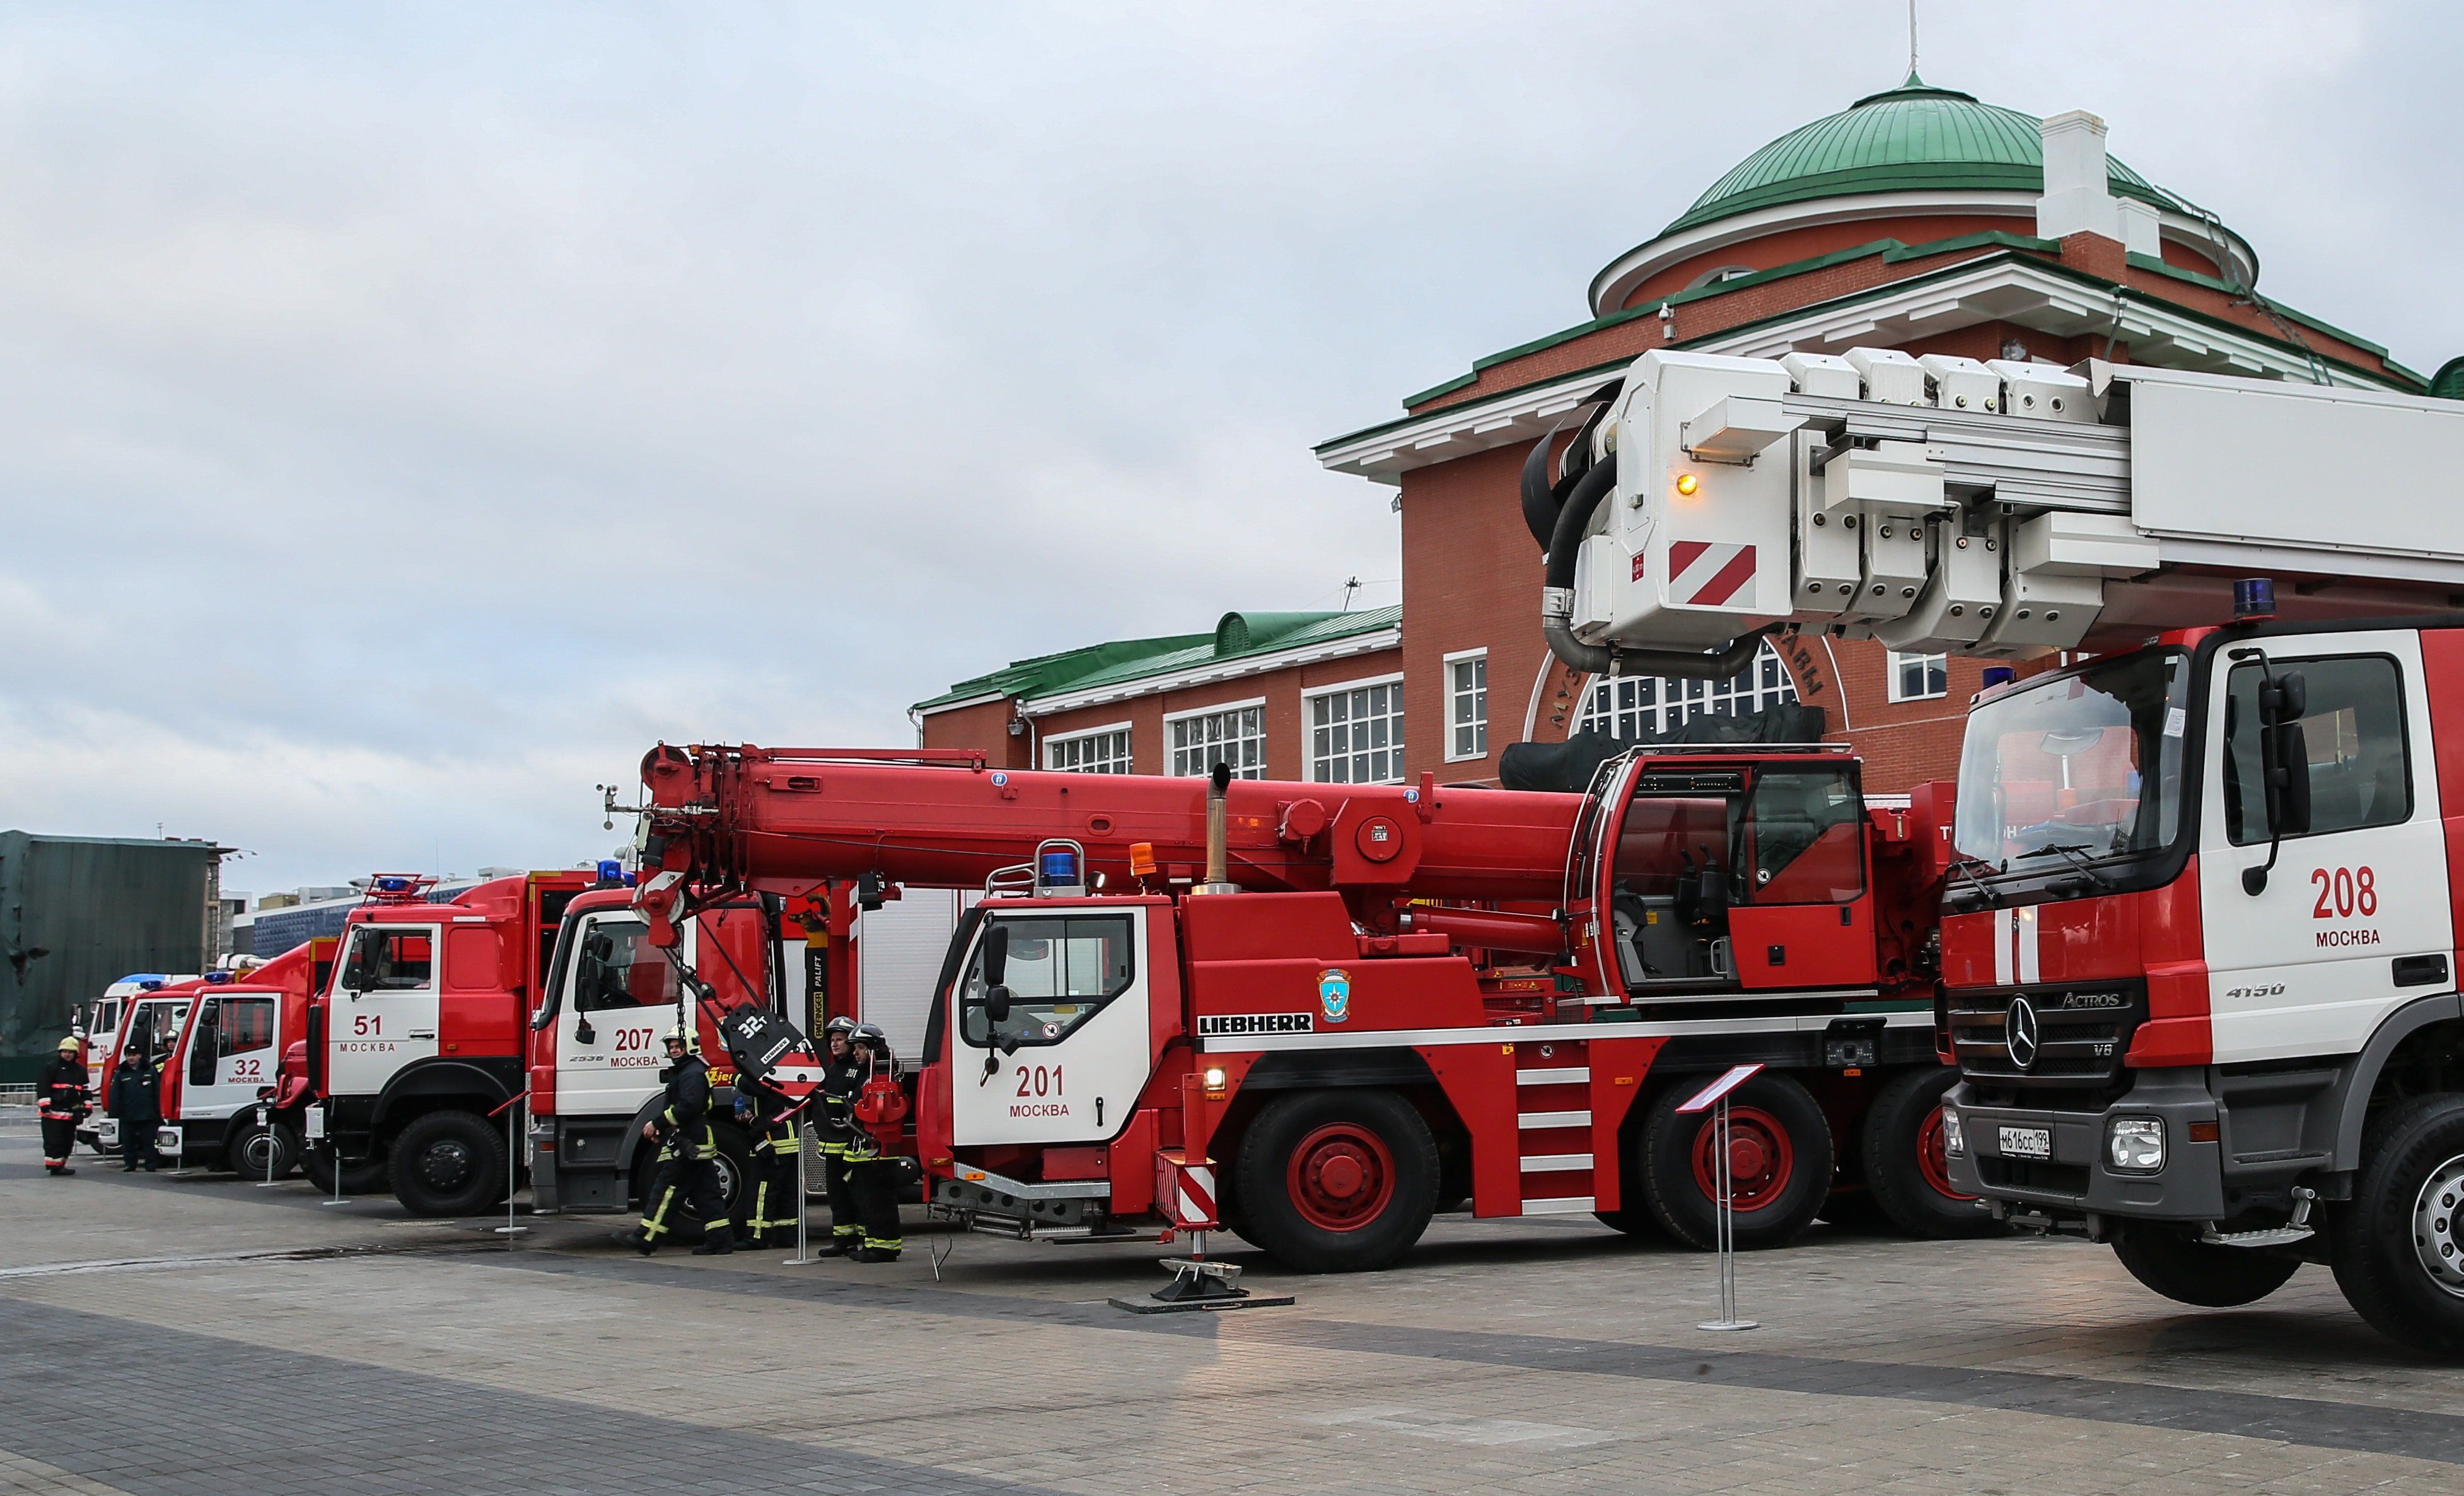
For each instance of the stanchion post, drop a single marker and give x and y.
(335, 1150)
(517, 1112)
(1714, 1098)
(804, 1206)
(265, 1120)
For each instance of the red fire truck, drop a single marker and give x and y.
(1320, 1013)
(2200, 954)
(223, 1063)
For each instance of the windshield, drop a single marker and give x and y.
(2083, 765)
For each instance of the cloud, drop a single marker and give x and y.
(408, 414)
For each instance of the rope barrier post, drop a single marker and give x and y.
(265, 1120)
(334, 1151)
(804, 1206)
(517, 1112)
(1714, 1098)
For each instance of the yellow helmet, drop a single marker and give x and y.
(68, 1044)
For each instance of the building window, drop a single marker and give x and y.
(1355, 734)
(1102, 750)
(1637, 706)
(1919, 678)
(1233, 736)
(1467, 705)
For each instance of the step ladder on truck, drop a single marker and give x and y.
(1317, 1014)
(2199, 940)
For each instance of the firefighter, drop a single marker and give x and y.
(872, 1175)
(777, 1205)
(835, 1126)
(59, 1091)
(687, 1156)
(137, 1101)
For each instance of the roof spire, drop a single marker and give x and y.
(1913, 82)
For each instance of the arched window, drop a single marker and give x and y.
(1713, 277)
(1631, 705)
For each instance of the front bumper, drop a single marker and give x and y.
(2079, 1179)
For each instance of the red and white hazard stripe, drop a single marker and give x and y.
(1194, 1195)
(1710, 575)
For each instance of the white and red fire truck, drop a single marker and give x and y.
(222, 1066)
(2200, 944)
(1320, 1013)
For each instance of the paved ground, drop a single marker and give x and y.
(164, 1334)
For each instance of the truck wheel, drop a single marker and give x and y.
(369, 1177)
(1905, 1169)
(1337, 1181)
(2395, 1246)
(1632, 1219)
(449, 1163)
(2191, 1271)
(245, 1150)
(1779, 1162)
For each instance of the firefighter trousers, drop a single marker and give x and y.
(59, 1140)
(874, 1184)
(846, 1227)
(776, 1203)
(688, 1173)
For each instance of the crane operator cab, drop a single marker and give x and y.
(1729, 877)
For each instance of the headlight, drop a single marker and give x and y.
(2135, 1144)
(1953, 1144)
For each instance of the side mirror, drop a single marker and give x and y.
(2288, 781)
(583, 1032)
(997, 1003)
(201, 1047)
(995, 956)
(355, 972)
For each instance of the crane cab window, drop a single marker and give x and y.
(1804, 837)
(1061, 972)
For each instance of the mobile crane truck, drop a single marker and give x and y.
(2200, 940)
(1319, 1013)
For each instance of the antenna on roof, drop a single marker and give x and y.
(1351, 585)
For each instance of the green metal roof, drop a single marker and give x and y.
(1911, 137)
(1235, 636)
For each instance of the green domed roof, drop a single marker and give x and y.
(1913, 138)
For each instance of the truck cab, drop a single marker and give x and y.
(150, 1022)
(222, 1070)
(2200, 960)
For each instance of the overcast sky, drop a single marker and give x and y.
(408, 415)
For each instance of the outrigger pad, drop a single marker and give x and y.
(1200, 1284)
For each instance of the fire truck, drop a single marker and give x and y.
(147, 1012)
(1319, 1013)
(222, 1066)
(2201, 929)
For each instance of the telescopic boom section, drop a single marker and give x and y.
(727, 819)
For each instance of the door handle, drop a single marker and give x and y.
(423, 1033)
(2419, 971)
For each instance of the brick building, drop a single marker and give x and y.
(1919, 218)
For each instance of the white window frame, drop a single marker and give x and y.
(1256, 704)
(1891, 675)
(1308, 700)
(1687, 700)
(1129, 747)
(1480, 724)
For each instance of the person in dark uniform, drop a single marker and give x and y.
(835, 1126)
(687, 1156)
(59, 1091)
(872, 1175)
(776, 1203)
(137, 1101)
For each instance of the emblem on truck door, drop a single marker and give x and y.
(1335, 995)
(2019, 1032)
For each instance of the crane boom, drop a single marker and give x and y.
(2007, 510)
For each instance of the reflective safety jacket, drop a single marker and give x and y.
(834, 1105)
(60, 1089)
(688, 1097)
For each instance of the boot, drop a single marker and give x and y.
(873, 1254)
(62, 1170)
(715, 1243)
(634, 1239)
(835, 1246)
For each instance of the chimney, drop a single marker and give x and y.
(2078, 198)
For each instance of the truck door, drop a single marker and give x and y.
(620, 997)
(231, 1054)
(2354, 918)
(1067, 1061)
(385, 1013)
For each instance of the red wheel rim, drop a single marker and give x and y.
(1932, 1162)
(1761, 1159)
(1340, 1178)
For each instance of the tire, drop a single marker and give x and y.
(1781, 1158)
(367, 1177)
(1337, 1181)
(449, 1163)
(244, 1151)
(2191, 1271)
(2395, 1245)
(1633, 1220)
(1900, 1148)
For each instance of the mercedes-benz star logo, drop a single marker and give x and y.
(2019, 1033)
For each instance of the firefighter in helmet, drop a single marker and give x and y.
(772, 1119)
(835, 1126)
(687, 1156)
(872, 1174)
(59, 1092)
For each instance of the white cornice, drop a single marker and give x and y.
(959, 705)
(2011, 290)
(1613, 286)
(1211, 671)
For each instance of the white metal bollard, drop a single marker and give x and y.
(265, 1120)
(1725, 1206)
(804, 1208)
(517, 1112)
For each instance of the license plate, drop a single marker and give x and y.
(2027, 1142)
